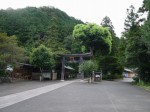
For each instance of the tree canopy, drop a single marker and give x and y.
(109, 63)
(137, 38)
(34, 26)
(42, 57)
(10, 52)
(93, 36)
(88, 67)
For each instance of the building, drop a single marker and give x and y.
(128, 73)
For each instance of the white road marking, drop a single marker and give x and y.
(18, 97)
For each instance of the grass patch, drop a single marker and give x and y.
(143, 85)
(112, 77)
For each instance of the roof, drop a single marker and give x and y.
(78, 55)
(68, 67)
(24, 64)
(128, 70)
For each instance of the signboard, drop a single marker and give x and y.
(46, 75)
(98, 76)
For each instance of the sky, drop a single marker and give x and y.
(92, 11)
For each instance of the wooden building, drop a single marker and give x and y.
(127, 73)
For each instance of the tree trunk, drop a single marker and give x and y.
(41, 77)
(91, 50)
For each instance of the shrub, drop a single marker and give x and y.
(88, 67)
(112, 76)
(2, 73)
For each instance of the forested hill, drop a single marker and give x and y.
(34, 26)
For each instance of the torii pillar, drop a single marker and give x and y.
(63, 69)
(81, 61)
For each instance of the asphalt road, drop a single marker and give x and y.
(22, 85)
(105, 96)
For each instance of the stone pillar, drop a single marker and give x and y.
(63, 69)
(80, 62)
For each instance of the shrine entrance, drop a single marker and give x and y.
(73, 60)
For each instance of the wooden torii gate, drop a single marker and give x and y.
(73, 55)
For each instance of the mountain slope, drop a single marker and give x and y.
(37, 25)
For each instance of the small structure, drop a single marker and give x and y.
(127, 73)
(98, 76)
(23, 71)
(54, 75)
(41, 76)
(28, 71)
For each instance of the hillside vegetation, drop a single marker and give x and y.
(34, 26)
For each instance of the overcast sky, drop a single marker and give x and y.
(86, 10)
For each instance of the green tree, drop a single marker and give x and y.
(10, 52)
(132, 34)
(76, 45)
(68, 41)
(121, 51)
(42, 57)
(106, 22)
(131, 19)
(88, 67)
(137, 49)
(34, 26)
(110, 62)
(144, 51)
(93, 37)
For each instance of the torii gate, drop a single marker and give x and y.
(73, 55)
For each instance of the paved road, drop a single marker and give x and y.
(106, 96)
(22, 85)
